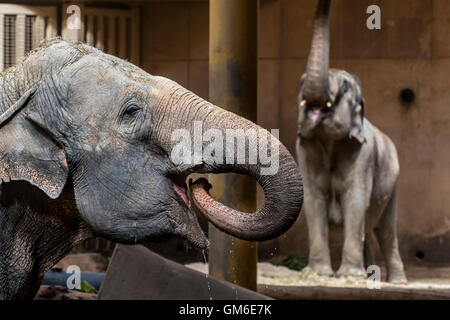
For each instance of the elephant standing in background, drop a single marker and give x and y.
(85, 148)
(349, 167)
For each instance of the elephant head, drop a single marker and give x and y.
(72, 111)
(330, 101)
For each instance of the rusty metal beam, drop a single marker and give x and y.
(233, 86)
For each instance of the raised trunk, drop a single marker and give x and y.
(283, 189)
(316, 87)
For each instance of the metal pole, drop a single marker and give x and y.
(233, 38)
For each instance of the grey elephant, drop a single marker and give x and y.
(85, 148)
(349, 167)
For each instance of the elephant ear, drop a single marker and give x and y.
(357, 129)
(28, 151)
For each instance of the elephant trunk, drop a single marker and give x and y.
(283, 188)
(316, 86)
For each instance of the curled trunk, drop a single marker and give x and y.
(283, 190)
(316, 86)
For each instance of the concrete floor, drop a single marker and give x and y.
(420, 278)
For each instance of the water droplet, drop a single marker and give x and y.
(207, 275)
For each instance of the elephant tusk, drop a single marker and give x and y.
(358, 109)
(329, 104)
(303, 103)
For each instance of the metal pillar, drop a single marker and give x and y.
(233, 42)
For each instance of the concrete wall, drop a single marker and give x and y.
(411, 51)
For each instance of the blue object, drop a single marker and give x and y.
(59, 278)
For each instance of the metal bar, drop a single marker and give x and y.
(50, 32)
(59, 278)
(90, 29)
(39, 31)
(20, 37)
(233, 86)
(135, 36)
(112, 35)
(122, 37)
(2, 41)
(100, 32)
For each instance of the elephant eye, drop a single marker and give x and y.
(132, 110)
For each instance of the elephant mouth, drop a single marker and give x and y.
(315, 114)
(190, 229)
(180, 188)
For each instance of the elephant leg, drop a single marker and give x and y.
(386, 233)
(369, 249)
(317, 221)
(354, 209)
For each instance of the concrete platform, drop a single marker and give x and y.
(349, 293)
(280, 282)
(137, 273)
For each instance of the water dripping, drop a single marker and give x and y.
(207, 275)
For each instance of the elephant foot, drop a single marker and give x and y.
(397, 278)
(352, 272)
(321, 269)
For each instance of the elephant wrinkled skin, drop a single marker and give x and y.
(85, 145)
